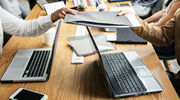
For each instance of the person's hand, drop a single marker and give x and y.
(60, 13)
(125, 12)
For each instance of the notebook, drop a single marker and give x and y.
(124, 74)
(128, 36)
(32, 65)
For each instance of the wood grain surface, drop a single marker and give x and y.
(78, 81)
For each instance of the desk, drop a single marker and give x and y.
(78, 81)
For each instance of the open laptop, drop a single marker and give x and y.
(124, 73)
(32, 65)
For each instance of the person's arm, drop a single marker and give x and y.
(154, 17)
(19, 27)
(159, 36)
(170, 14)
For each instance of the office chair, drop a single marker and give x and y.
(169, 71)
(166, 61)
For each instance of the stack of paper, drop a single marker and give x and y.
(52, 7)
(102, 19)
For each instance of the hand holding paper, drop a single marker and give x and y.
(100, 19)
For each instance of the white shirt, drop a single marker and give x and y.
(18, 27)
(166, 9)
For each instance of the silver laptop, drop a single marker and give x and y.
(124, 73)
(31, 65)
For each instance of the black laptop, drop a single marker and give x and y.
(128, 36)
(124, 73)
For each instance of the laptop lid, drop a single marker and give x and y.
(128, 36)
(100, 63)
(20, 62)
(54, 48)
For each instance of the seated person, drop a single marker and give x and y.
(143, 7)
(161, 36)
(162, 17)
(31, 28)
(15, 8)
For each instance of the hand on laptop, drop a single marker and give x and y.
(60, 13)
(125, 12)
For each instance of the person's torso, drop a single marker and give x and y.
(15, 6)
(166, 9)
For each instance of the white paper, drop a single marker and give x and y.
(111, 37)
(121, 8)
(133, 20)
(52, 7)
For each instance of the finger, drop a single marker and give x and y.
(71, 11)
(62, 16)
(62, 12)
(120, 14)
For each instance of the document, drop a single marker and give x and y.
(101, 19)
(51, 7)
(121, 8)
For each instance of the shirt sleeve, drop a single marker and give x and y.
(157, 35)
(20, 27)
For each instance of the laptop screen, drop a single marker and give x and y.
(54, 48)
(99, 61)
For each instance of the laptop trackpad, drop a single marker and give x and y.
(18, 63)
(142, 72)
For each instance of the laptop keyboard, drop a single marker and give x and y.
(125, 75)
(37, 63)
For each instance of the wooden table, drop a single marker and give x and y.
(78, 81)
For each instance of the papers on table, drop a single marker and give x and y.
(51, 7)
(121, 8)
